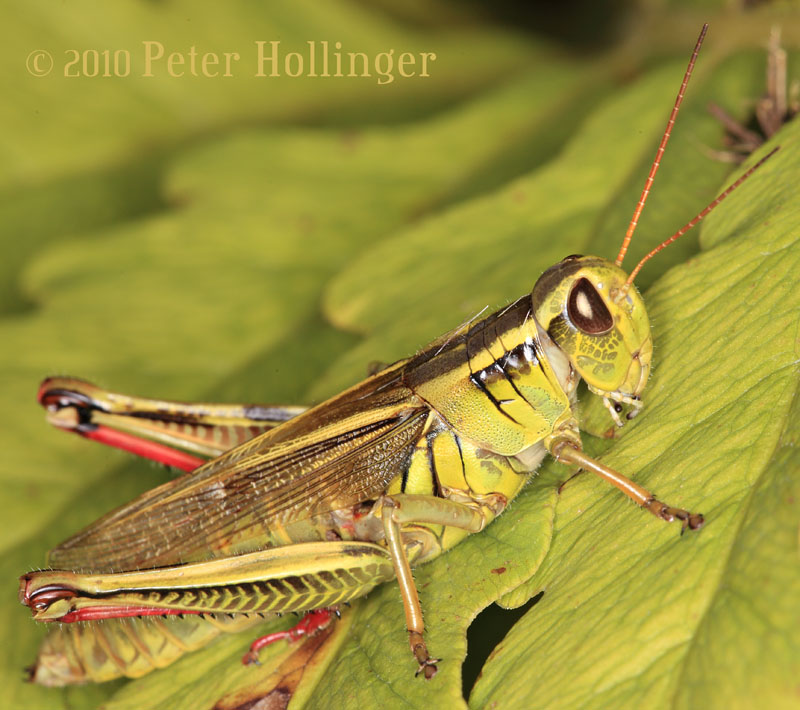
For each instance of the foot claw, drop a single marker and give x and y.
(427, 665)
(691, 521)
(428, 669)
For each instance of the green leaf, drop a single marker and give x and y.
(632, 613)
(143, 104)
(158, 247)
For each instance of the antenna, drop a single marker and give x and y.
(700, 216)
(660, 152)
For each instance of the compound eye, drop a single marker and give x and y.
(586, 309)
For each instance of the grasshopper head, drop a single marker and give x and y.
(592, 310)
(601, 324)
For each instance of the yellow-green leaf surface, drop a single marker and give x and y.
(672, 612)
(200, 240)
(155, 100)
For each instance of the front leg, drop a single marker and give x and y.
(567, 451)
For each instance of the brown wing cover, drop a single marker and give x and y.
(333, 456)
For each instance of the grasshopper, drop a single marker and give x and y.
(306, 509)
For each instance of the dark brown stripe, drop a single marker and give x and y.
(477, 382)
(437, 360)
(435, 485)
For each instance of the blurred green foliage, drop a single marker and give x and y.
(262, 239)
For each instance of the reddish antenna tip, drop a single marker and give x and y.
(648, 183)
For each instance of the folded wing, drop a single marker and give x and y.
(333, 456)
